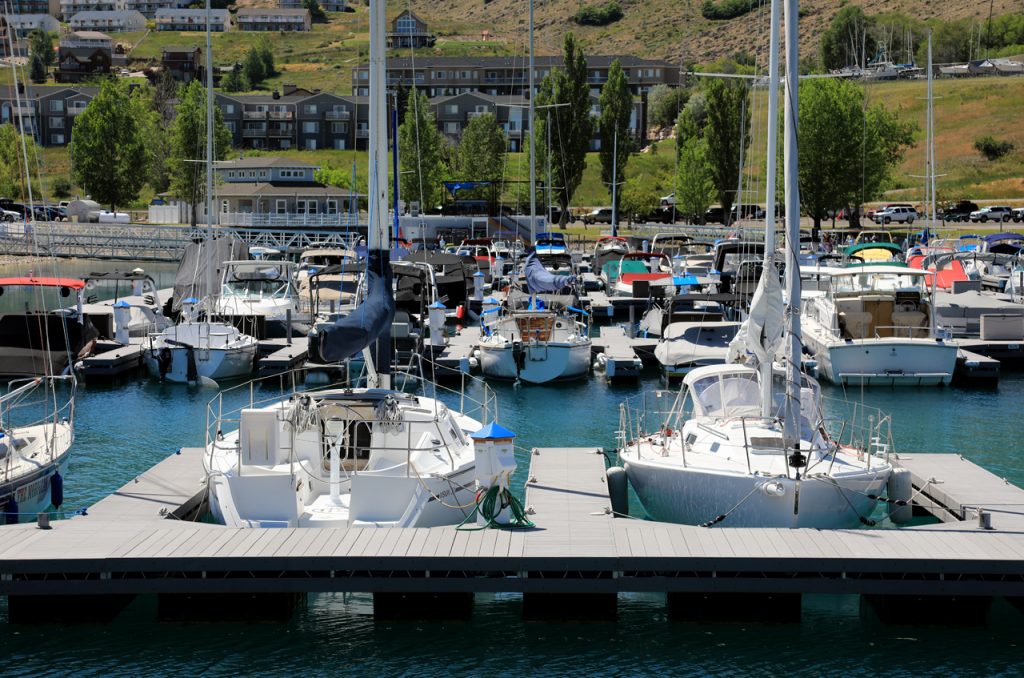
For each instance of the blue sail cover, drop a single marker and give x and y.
(540, 280)
(369, 323)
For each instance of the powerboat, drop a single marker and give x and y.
(264, 290)
(687, 345)
(36, 432)
(36, 340)
(870, 325)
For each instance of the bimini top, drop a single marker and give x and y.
(44, 282)
(860, 247)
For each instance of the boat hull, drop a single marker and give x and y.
(32, 490)
(214, 363)
(885, 362)
(542, 362)
(692, 496)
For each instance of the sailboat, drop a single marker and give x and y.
(747, 444)
(37, 411)
(197, 349)
(370, 456)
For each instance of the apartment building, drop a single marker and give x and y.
(183, 20)
(149, 8)
(51, 7)
(325, 5)
(23, 24)
(504, 76)
(185, 64)
(69, 8)
(253, 19)
(118, 21)
(47, 113)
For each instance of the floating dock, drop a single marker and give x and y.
(111, 359)
(620, 360)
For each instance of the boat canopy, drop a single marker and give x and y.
(881, 249)
(71, 283)
(724, 391)
(999, 237)
(539, 279)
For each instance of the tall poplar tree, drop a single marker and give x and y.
(616, 143)
(728, 121)
(420, 147)
(482, 149)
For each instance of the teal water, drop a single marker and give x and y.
(123, 429)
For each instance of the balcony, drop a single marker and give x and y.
(278, 132)
(76, 110)
(339, 115)
(362, 134)
(280, 115)
(249, 132)
(288, 219)
(255, 115)
(475, 114)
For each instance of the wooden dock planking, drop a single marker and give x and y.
(168, 485)
(963, 485)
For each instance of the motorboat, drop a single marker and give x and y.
(49, 332)
(262, 291)
(686, 345)
(195, 350)
(871, 325)
(135, 293)
(649, 269)
(747, 443)
(36, 432)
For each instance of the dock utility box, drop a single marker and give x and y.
(1002, 327)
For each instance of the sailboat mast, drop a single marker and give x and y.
(770, 184)
(377, 234)
(791, 421)
(931, 137)
(533, 155)
(208, 244)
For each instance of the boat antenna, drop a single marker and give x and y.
(791, 416)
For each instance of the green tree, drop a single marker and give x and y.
(571, 126)
(316, 12)
(639, 197)
(266, 54)
(188, 146)
(236, 81)
(12, 179)
(728, 121)
(664, 104)
(847, 154)
(695, 184)
(482, 149)
(420, 147)
(36, 70)
(40, 43)
(110, 155)
(613, 124)
(848, 40)
(254, 67)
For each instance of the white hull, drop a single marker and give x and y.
(888, 362)
(220, 352)
(542, 362)
(692, 496)
(30, 484)
(31, 362)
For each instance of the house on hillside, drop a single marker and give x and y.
(276, 191)
(149, 8)
(46, 113)
(254, 19)
(23, 24)
(453, 113)
(182, 20)
(408, 30)
(185, 64)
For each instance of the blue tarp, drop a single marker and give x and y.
(540, 280)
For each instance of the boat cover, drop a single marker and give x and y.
(540, 279)
(190, 280)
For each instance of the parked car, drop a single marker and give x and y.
(960, 211)
(11, 206)
(991, 213)
(749, 212)
(1017, 214)
(601, 215)
(714, 215)
(48, 213)
(669, 200)
(660, 215)
(9, 215)
(901, 214)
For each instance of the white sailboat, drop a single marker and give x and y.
(357, 457)
(748, 445)
(198, 350)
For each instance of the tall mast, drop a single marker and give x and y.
(378, 231)
(208, 244)
(931, 136)
(791, 421)
(533, 139)
(770, 185)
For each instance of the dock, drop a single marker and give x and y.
(620, 360)
(277, 356)
(140, 541)
(455, 358)
(111, 359)
(974, 368)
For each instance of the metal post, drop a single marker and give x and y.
(771, 181)
(211, 295)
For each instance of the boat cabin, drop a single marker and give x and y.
(878, 301)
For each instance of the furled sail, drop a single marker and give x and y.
(370, 322)
(540, 279)
(760, 335)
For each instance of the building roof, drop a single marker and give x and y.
(7, 92)
(107, 14)
(411, 14)
(263, 162)
(256, 11)
(89, 35)
(593, 61)
(179, 48)
(267, 189)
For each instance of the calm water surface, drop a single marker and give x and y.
(123, 429)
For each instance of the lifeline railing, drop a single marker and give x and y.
(36, 396)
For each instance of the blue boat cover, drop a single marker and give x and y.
(540, 279)
(369, 323)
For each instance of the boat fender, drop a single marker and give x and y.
(460, 311)
(11, 511)
(164, 360)
(57, 489)
(899, 489)
(618, 491)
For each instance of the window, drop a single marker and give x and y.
(281, 206)
(451, 128)
(57, 139)
(263, 174)
(229, 109)
(310, 127)
(252, 174)
(57, 123)
(339, 127)
(339, 145)
(332, 206)
(231, 174)
(312, 207)
(57, 105)
(451, 109)
(310, 144)
(230, 124)
(309, 109)
(300, 206)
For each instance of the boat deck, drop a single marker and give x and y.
(126, 545)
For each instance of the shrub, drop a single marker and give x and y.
(61, 187)
(992, 149)
(598, 15)
(726, 9)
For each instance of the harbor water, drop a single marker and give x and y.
(123, 429)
